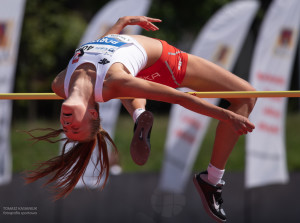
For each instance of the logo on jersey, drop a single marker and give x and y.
(86, 47)
(179, 63)
(104, 61)
(78, 53)
(108, 41)
(150, 77)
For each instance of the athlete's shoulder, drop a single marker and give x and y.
(58, 84)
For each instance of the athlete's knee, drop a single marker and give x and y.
(243, 106)
(251, 101)
(248, 102)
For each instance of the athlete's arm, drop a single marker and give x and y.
(58, 84)
(127, 86)
(142, 21)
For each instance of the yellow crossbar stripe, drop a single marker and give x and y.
(215, 94)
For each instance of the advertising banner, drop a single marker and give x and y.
(11, 18)
(271, 71)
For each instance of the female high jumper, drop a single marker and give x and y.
(139, 67)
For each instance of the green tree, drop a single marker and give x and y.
(50, 32)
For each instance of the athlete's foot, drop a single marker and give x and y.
(140, 144)
(211, 197)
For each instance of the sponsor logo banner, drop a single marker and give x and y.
(11, 17)
(271, 71)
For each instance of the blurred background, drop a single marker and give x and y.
(50, 32)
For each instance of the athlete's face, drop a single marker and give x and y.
(76, 121)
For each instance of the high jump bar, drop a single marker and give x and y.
(214, 94)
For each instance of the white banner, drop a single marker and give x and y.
(299, 70)
(11, 17)
(271, 70)
(220, 41)
(103, 20)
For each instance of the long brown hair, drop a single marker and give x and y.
(67, 168)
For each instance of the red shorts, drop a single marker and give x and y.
(169, 69)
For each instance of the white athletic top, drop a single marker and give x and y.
(104, 52)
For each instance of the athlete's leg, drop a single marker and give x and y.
(132, 104)
(140, 144)
(202, 75)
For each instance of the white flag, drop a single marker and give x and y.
(11, 17)
(271, 70)
(299, 68)
(103, 20)
(220, 41)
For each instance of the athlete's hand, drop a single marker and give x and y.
(142, 21)
(240, 124)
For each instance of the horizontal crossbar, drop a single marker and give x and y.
(247, 94)
(215, 94)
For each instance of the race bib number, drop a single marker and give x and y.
(106, 46)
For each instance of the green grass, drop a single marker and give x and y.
(25, 154)
(293, 142)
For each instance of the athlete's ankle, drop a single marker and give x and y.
(137, 112)
(214, 174)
